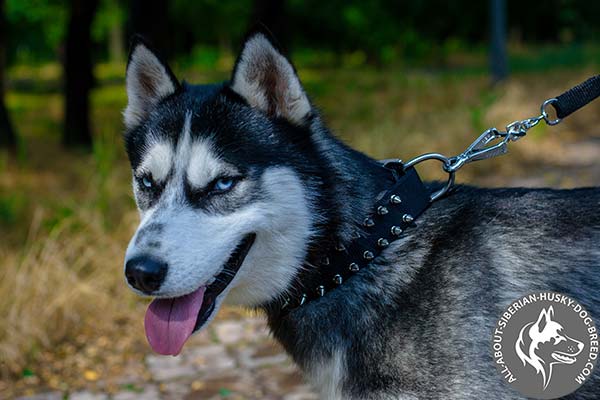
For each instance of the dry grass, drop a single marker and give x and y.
(59, 284)
(67, 217)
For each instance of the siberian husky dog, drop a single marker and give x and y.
(238, 184)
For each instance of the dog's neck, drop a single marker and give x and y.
(347, 187)
(351, 183)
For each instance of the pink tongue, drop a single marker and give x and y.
(170, 322)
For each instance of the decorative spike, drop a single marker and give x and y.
(368, 255)
(303, 299)
(382, 242)
(337, 279)
(395, 199)
(395, 230)
(340, 247)
(407, 218)
(321, 290)
(368, 222)
(325, 261)
(381, 210)
(286, 303)
(353, 267)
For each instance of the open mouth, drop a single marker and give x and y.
(223, 280)
(170, 322)
(563, 358)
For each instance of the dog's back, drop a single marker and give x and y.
(419, 321)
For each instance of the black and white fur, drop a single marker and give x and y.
(417, 323)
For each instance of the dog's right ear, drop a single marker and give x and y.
(148, 79)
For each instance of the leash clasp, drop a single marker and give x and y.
(478, 150)
(483, 147)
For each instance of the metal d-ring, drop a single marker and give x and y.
(545, 113)
(444, 160)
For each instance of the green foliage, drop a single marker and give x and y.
(206, 57)
(546, 57)
(109, 14)
(36, 29)
(378, 31)
(210, 22)
(11, 208)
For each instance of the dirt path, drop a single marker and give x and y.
(234, 359)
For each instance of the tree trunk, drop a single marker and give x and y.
(272, 14)
(149, 18)
(498, 59)
(78, 74)
(7, 134)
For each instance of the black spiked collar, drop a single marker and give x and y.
(393, 212)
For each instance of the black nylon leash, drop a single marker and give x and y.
(577, 97)
(397, 208)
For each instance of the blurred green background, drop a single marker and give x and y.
(393, 79)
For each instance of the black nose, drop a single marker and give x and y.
(145, 274)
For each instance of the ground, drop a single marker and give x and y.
(233, 359)
(69, 327)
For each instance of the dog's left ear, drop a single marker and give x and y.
(268, 81)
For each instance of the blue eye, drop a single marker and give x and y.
(224, 184)
(147, 182)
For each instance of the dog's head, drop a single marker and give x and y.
(544, 343)
(225, 202)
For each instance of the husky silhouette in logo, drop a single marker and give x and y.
(543, 343)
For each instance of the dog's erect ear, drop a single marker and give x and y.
(148, 81)
(268, 81)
